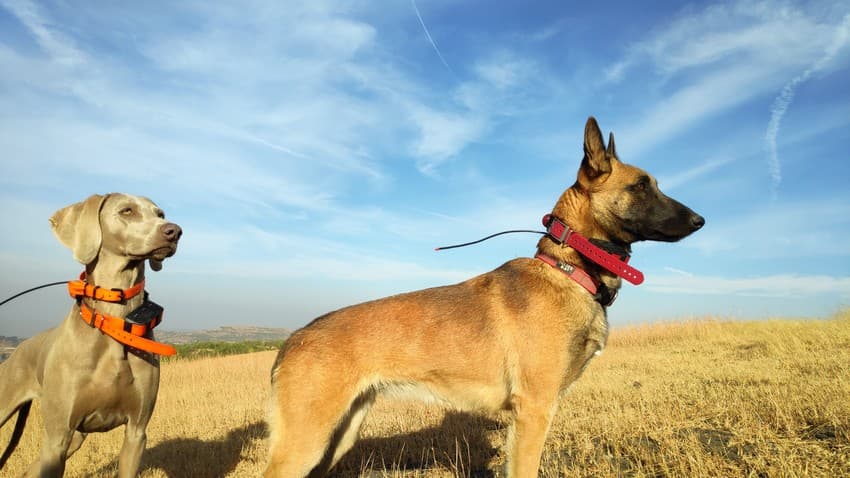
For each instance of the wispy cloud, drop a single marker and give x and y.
(262, 125)
(503, 84)
(58, 46)
(443, 135)
(783, 101)
(776, 285)
(709, 61)
(779, 230)
(671, 182)
(430, 39)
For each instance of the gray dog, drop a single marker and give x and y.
(99, 368)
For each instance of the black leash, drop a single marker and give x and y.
(33, 289)
(442, 248)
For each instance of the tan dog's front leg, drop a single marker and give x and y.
(135, 440)
(527, 436)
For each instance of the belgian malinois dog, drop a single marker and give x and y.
(511, 339)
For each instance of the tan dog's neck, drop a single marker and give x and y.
(574, 209)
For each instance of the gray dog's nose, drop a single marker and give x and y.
(171, 231)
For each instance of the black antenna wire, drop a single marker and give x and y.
(442, 248)
(33, 289)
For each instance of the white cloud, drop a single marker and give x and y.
(670, 182)
(442, 136)
(430, 39)
(59, 47)
(714, 59)
(504, 84)
(783, 101)
(240, 108)
(710, 94)
(802, 229)
(763, 33)
(777, 285)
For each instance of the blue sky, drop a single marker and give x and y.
(316, 152)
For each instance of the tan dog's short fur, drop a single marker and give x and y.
(86, 381)
(511, 339)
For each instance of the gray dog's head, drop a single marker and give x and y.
(118, 224)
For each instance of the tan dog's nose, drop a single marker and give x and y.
(171, 231)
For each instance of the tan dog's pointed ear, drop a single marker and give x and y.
(78, 227)
(596, 162)
(612, 151)
(155, 264)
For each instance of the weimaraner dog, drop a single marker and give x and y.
(99, 368)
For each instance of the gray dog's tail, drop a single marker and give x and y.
(23, 413)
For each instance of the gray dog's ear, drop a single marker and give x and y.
(78, 227)
(155, 264)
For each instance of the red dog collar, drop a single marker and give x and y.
(573, 272)
(562, 234)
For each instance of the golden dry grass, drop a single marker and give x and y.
(698, 398)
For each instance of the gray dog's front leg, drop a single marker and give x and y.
(135, 440)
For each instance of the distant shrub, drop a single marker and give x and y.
(196, 350)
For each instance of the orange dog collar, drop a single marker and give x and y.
(123, 331)
(81, 288)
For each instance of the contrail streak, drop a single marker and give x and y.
(427, 34)
(781, 103)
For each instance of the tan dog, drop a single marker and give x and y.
(86, 380)
(511, 339)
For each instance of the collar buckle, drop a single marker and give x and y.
(556, 229)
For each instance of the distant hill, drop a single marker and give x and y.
(7, 345)
(9, 341)
(222, 334)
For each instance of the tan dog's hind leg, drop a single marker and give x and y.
(348, 431)
(306, 422)
(300, 444)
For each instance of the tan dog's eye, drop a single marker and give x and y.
(126, 211)
(160, 214)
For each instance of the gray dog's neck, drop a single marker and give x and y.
(115, 272)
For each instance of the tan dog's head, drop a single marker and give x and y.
(625, 200)
(118, 224)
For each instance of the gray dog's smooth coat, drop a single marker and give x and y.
(86, 381)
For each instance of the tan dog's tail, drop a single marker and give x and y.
(23, 414)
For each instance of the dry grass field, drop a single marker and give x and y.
(697, 398)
